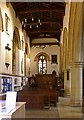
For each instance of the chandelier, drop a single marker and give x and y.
(36, 24)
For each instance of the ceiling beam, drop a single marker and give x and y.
(51, 15)
(44, 36)
(42, 10)
(43, 18)
(44, 31)
(52, 43)
(51, 36)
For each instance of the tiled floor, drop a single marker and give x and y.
(49, 113)
(63, 110)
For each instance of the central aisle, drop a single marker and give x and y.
(46, 113)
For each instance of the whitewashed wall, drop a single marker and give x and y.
(50, 50)
(5, 38)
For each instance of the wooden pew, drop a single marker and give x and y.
(38, 98)
(41, 93)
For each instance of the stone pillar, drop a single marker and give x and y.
(76, 84)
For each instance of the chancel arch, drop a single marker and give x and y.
(16, 45)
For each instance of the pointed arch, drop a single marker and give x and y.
(16, 45)
(16, 35)
(42, 53)
(64, 48)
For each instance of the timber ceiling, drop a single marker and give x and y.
(41, 19)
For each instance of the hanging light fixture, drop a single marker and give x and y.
(32, 19)
(25, 20)
(31, 23)
(36, 26)
(39, 20)
(24, 25)
(30, 26)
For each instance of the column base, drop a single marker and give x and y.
(77, 103)
(66, 93)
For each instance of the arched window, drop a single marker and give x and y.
(42, 64)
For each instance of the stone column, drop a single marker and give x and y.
(76, 84)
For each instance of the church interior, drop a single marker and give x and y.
(41, 58)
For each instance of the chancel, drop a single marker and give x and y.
(41, 58)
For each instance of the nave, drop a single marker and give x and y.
(39, 43)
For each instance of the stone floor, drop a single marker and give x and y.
(63, 110)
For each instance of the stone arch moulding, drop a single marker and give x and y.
(42, 53)
(26, 49)
(1, 22)
(17, 35)
(65, 46)
(15, 44)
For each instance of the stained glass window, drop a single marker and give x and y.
(42, 64)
